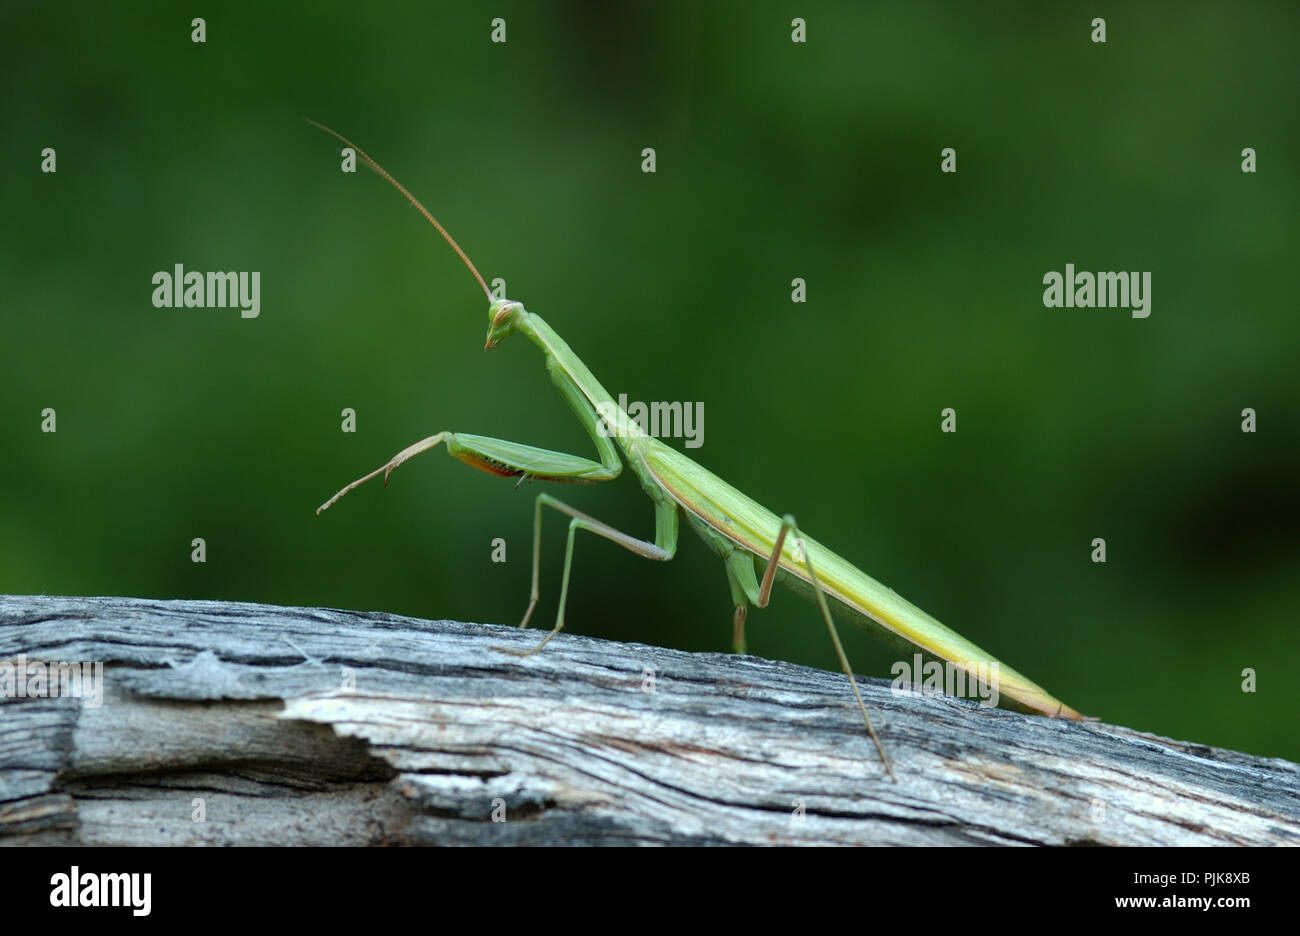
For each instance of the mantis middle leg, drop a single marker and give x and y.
(662, 549)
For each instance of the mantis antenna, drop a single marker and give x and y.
(409, 197)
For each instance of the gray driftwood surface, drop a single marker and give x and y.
(247, 708)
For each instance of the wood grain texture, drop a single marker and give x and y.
(315, 726)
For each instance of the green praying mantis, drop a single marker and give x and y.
(742, 532)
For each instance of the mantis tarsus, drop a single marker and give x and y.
(738, 529)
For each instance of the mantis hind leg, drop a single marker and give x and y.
(662, 549)
(764, 595)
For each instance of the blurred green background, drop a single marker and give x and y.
(775, 160)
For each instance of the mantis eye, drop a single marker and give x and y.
(503, 314)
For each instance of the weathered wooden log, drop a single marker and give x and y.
(228, 723)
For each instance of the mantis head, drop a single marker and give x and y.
(503, 314)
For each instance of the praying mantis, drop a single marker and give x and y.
(743, 533)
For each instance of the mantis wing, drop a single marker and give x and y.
(866, 602)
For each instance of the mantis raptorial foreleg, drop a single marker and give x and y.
(662, 549)
(409, 452)
(765, 595)
(502, 457)
(496, 456)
